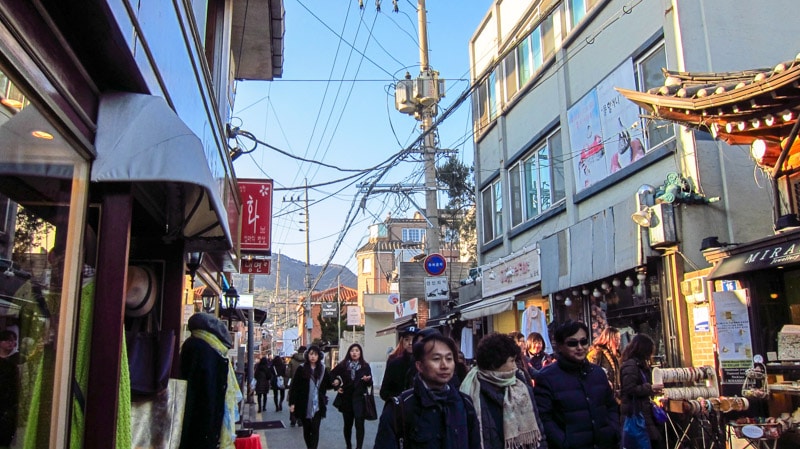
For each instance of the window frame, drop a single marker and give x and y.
(520, 188)
(492, 221)
(416, 235)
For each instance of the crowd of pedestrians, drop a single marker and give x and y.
(517, 396)
(514, 396)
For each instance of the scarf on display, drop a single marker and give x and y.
(228, 431)
(520, 427)
(352, 367)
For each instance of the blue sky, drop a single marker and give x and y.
(335, 104)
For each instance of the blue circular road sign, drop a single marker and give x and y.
(435, 264)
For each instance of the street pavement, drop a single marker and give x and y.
(331, 436)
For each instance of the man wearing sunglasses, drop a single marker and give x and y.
(576, 403)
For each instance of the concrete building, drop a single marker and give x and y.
(613, 203)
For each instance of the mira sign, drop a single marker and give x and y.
(256, 195)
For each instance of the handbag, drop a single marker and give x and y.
(150, 354)
(157, 421)
(370, 411)
(659, 414)
(337, 401)
(634, 433)
(278, 379)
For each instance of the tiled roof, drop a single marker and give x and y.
(737, 107)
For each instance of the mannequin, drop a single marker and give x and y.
(209, 388)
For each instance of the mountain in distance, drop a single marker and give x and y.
(293, 272)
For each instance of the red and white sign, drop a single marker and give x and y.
(256, 195)
(255, 266)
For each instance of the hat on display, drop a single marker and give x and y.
(140, 296)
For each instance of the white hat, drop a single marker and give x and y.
(141, 292)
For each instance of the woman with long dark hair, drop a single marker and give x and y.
(307, 394)
(637, 387)
(353, 377)
(605, 352)
(262, 375)
(278, 386)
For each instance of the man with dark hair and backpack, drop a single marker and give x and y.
(432, 414)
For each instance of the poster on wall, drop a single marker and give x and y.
(605, 130)
(735, 347)
(622, 140)
(586, 137)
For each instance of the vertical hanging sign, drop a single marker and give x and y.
(256, 195)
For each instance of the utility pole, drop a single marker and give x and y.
(420, 98)
(339, 309)
(307, 322)
(429, 77)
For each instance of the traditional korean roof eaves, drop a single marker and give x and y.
(737, 107)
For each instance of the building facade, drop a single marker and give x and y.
(614, 202)
(115, 155)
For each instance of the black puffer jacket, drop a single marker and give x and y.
(636, 391)
(428, 422)
(577, 406)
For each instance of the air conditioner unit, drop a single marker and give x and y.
(662, 230)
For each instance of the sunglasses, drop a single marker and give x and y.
(574, 343)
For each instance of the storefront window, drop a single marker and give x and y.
(38, 174)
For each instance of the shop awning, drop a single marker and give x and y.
(141, 139)
(769, 254)
(397, 324)
(491, 305)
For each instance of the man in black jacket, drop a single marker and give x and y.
(433, 414)
(575, 401)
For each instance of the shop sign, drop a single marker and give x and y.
(514, 272)
(735, 347)
(256, 235)
(437, 288)
(353, 316)
(329, 310)
(255, 266)
(406, 308)
(776, 255)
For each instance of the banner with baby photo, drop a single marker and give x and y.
(604, 128)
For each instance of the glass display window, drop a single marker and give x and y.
(43, 185)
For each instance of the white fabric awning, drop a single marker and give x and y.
(141, 139)
(491, 305)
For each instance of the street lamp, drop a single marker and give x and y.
(193, 261)
(209, 297)
(231, 301)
